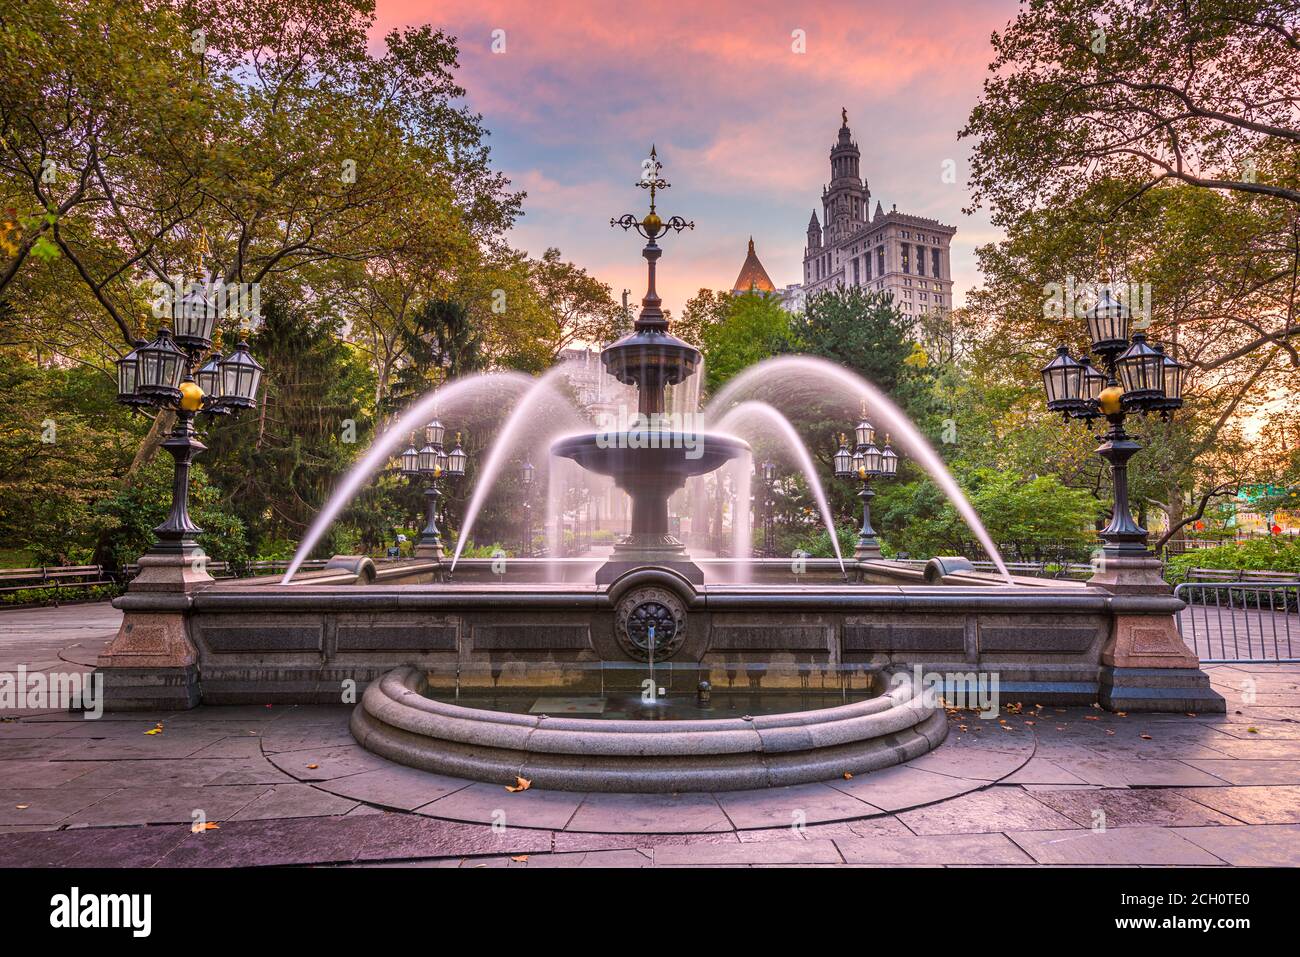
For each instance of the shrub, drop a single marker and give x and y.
(1275, 553)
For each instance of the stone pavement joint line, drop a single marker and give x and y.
(289, 786)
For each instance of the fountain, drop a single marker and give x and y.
(649, 669)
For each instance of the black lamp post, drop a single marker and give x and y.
(1134, 377)
(767, 474)
(529, 474)
(169, 373)
(431, 462)
(865, 462)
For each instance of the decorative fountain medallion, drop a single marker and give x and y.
(650, 618)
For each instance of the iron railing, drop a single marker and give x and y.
(1241, 621)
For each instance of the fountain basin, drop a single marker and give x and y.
(397, 720)
(651, 457)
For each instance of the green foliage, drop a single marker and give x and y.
(861, 330)
(124, 522)
(279, 462)
(64, 443)
(750, 327)
(1026, 518)
(48, 595)
(1275, 553)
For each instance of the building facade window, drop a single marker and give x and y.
(907, 257)
(934, 262)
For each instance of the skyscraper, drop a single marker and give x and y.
(882, 251)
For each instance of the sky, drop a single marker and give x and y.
(574, 94)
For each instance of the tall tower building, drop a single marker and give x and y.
(880, 251)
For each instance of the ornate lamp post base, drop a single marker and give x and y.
(868, 546)
(430, 543)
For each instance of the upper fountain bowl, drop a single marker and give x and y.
(650, 358)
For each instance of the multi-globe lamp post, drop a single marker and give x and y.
(528, 472)
(866, 461)
(767, 482)
(179, 371)
(430, 463)
(1134, 377)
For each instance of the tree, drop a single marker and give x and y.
(751, 327)
(861, 330)
(1112, 100)
(1031, 518)
(439, 344)
(1202, 92)
(582, 308)
(278, 464)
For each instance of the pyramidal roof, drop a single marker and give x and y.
(753, 277)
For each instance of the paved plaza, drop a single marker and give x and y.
(288, 785)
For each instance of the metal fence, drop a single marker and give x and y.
(1241, 621)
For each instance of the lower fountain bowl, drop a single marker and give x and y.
(397, 720)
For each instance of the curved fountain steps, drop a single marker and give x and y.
(396, 721)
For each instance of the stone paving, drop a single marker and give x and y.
(287, 785)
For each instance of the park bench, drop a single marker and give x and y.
(57, 576)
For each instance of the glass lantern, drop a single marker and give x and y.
(411, 461)
(433, 432)
(429, 460)
(769, 473)
(1063, 381)
(844, 467)
(240, 376)
(194, 318)
(865, 432)
(128, 377)
(1172, 382)
(871, 457)
(161, 368)
(209, 378)
(456, 459)
(1108, 322)
(1094, 380)
(1142, 372)
(888, 459)
(529, 473)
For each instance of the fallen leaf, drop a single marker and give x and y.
(198, 828)
(847, 776)
(154, 731)
(521, 858)
(1252, 730)
(1145, 737)
(1190, 715)
(1091, 717)
(22, 807)
(312, 767)
(521, 784)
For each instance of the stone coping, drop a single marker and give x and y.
(397, 721)
(851, 598)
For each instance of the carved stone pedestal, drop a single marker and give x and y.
(152, 665)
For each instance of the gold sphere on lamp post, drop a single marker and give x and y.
(191, 397)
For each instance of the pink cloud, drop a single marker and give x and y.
(743, 123)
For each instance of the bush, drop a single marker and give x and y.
(1275, 553)
(126, 520)
(48, 595)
